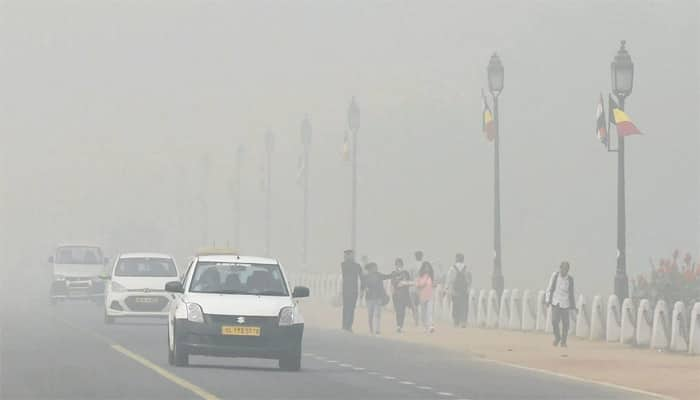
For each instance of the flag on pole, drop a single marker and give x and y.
(623, 124)
(346, 147)
(487, 123)
(602, 128)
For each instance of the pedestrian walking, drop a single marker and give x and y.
(352, 274)
(375, 296)
(459, 280)
(400, 284)
(560, 296)
(424, 286)
(415, 300)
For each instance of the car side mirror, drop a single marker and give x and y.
(50, 259)
(174, 287)
(300, 291)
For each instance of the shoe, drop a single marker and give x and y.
(463, 326)
(555, 343)
(431, 330)
(398, 329)
(563, 344)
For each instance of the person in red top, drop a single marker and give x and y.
(424, 285)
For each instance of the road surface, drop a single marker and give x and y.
(67, 352)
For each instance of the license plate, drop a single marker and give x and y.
(146, 300)
(240, 330)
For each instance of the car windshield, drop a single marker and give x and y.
(238, 278)
(145, 267)
(79, 255)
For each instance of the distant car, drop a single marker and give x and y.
(137, 286)
(235, 306)
(76, 273)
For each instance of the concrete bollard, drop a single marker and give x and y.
(660, 330)
(492, 310)
(628, 323)
(597, 321)
(516, 311)
(644, 324)
(612, 321)
(482, 306)
(583, 319)
(473, 308)
(541, 314)
(504, 310)
(529, 314)
(679, 328)
(694, 336)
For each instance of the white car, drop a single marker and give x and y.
(137, 286)
(235, 306)
(76, 273)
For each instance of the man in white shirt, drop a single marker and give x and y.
(560, 296)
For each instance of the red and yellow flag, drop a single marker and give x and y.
(487, 124)
(623, 124)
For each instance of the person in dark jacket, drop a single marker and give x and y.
(401, 296)
(375, 296)
(560, 296)
(352, 273)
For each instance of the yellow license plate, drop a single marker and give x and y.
(240, 330)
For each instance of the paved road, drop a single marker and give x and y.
(67, 352)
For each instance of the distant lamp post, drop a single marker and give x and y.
(495, 78)
(354, 125)
(622, 76)
(237, 198)
(306, 142)
(269, 147)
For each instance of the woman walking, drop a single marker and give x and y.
(424, 284)
(400, 284)
(375, 296)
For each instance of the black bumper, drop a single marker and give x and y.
(205, 339)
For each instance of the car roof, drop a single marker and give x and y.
(237, 259)
(145, 255)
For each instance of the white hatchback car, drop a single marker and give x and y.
(235, 306)
(136, 287)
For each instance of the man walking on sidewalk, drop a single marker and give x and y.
(560, 296)
(352, 273)
(458, 281)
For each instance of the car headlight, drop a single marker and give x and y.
(117, 287)
(286, 316)
(194, 313)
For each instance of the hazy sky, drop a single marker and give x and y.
(108, 109)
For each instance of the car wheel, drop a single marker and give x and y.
(180, 356)
(109, 320)
(292, 363)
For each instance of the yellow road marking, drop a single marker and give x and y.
(141, 360)
(165, 374)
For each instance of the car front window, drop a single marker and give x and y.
(145, 267)
(79, 255)
(238, 278)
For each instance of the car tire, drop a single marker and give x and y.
(180, 356)
(109, 320)
(291, 363)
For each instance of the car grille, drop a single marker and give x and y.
(78, 283)
(146, 303)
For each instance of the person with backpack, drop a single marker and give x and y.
(459, 280)
(560, 296)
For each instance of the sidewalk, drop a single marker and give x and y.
(673, 375)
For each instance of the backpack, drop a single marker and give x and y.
(461, 284)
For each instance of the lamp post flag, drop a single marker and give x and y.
(623, 124)
(602, 129)
(487, 123)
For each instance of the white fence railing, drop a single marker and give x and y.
(677, 331)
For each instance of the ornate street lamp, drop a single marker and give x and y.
(354, 125)
(306, 142)
(495, 78)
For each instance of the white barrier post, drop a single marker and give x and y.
(492, 310)
(679, 328)
(529, 315)
(628, 323)
(482, 306)
(504, 310)
(473, 308)
(694, 337)
(659, 331)
(597, 321)
(541, 312)
(516, 311)
(612, 321)
(644, 324)
(583, 320)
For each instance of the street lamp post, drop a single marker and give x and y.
(354, 125)
(237, 198)
(306, 142)
(495, 78)
(269, 146)
(622, 76)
